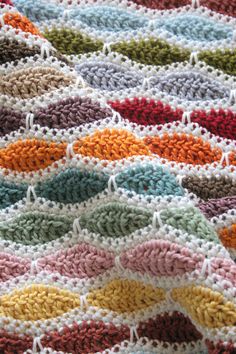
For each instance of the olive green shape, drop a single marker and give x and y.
(68, 41)
(151, 52)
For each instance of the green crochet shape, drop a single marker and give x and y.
(35, 228)
(115, 220)
(191, 221)
(70, 42)
(151, 52)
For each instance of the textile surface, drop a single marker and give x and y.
(118, 176)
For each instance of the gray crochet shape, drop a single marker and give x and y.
(108, 76)
(190, 86)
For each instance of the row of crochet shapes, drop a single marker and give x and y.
(76, 186)
(111, 220)
(105, 335)
(64, 114)
(188, 83)
(111, 19)
(149, 52)
(38, 11)
(149, 112)
(38, 227)
(75, 112)
(112, 145)
(35, 302)
(166, 259)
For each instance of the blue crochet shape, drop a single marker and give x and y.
(105, 18)
(196, 28)
(37, 10)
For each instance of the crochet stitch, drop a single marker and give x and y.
(117, 176)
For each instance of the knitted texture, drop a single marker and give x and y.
(117, 176)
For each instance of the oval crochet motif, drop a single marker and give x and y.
(115, 220)
(34, 228)
(33, 303)
(71, 112)
(126, 296)
(190, 86)
(151, 52)
(38, 10)
(209, 188)
(228, 236)
(20, 22)
(149, 180)
(111, 144)
(12, 266)
(207, 307)
(196, 28)
(183, 148)
(14, 50)
(69, 41)
(105, 18)
(72, 186)
(80, 261)
(165, 259)
(31, 82)
(10, 193)
(108, 76)
(31, 155)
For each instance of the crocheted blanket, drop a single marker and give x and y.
(117, 176)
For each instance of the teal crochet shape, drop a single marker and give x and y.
(72, 186)
(35, 228)
(11, 193)
(76, 186)
(149, 180)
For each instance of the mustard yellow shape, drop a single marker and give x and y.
(37, 302)
(209, 308)
(125, 296)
